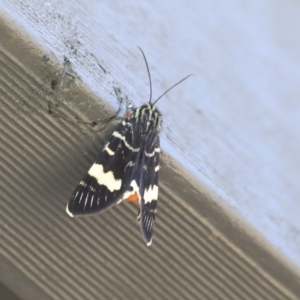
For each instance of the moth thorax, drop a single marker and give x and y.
(149, 118)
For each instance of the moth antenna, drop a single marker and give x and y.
(173, 87)
(148, 73)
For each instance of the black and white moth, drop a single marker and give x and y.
(126, 169)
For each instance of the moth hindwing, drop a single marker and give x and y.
(127, 168)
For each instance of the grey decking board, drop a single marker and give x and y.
(45, 133)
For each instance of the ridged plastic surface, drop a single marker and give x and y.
(101, 257)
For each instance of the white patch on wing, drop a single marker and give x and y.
(86, 199)
(135, 189)
(151, 194)
(92, 200)
(68, 212)
(103, 178)
(108, 150)
(82, 183)
(129, 164)
(122, 137)
(156, 168)
(80, 197)
(156, 150)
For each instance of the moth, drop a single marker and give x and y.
(127, 168)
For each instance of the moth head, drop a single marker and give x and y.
(149, 118)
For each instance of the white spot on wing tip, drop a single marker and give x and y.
(68, 212)
(149, 243)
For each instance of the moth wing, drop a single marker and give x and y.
(148, 188)
(109, 177)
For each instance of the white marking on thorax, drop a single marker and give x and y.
(137, 112)
(151, 194)
(124, 123)
(103, 178)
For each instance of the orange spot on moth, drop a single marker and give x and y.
(128, 114)
(133, 198)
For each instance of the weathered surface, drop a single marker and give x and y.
(233, 129)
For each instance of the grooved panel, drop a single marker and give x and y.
(104, 257)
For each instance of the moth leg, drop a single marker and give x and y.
(126, 106)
